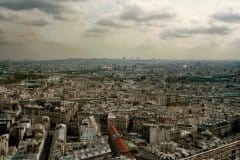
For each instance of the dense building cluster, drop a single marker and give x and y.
(82, 109)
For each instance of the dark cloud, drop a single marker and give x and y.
(227, 16)
(110, 23)
(44, 5)
(39, 22)
(183, 32)
(23, 17)
(54, 7)
(96, 30)
(72, 0)
(173, 34)
(92, 32)
(135, 13)
(221, 30)
(65, 17)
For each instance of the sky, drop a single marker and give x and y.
(145, 29)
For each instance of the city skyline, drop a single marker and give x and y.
(166, 29)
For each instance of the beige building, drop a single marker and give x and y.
(4, 145)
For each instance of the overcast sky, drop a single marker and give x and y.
(165, 29)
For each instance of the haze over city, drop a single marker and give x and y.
(161, 29)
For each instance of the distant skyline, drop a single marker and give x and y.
(145, 29)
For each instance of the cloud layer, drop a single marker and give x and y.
(117, 28)
(135, 13)
(61, 10)
(228, 16)
(187, 32)
(33, 17)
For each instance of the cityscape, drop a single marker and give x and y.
(120, 109)
(119, 80)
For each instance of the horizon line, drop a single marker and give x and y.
(123, 59)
